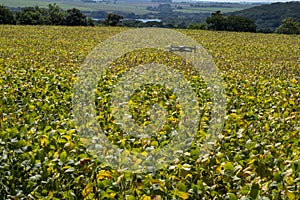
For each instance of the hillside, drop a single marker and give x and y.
(269, 16)
(175, 14)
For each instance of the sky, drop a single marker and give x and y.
(247, 0)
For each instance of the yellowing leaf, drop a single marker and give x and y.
(87, 190)
(146, 198)
(291, 195)
(112, 195)
(183, 195)
(103, 174)
(156, 181)
(289, 180)
(44, 141)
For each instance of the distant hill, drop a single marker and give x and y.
(269, 16)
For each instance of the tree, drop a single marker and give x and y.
(90, 22)
(55, 14)
(240, 24)
(33, 16)
(112, 19)
(219, 22)
(75, 17)
(216, 21)
(6, 16)
(289, 26)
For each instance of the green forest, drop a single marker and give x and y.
(269, 17)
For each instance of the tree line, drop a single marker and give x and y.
(53, 15)
(220, 22)
(216, 22)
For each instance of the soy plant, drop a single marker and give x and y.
(144, 97)
(42, 155)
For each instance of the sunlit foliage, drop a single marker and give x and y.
(42, 156)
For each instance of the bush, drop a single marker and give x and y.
(201, 26)
(289, 26)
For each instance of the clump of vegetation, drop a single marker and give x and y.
(289, 26)
(6, 16)
(201, 26)
(53, 15)
(219, 22)
(113, 19)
